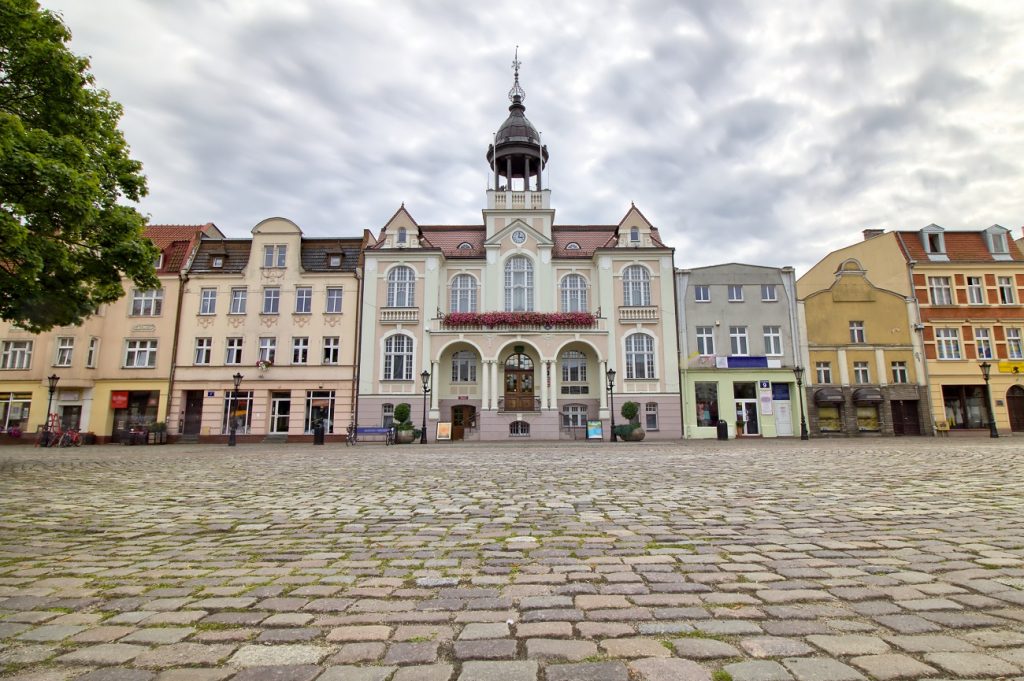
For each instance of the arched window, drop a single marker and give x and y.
(403, 235)
(463, 294)
(465, 246)
(518, 284)
(519, 429)
(639, 356)
(401, 287)
(636, 286)
(572, 246)
(574, 293)
(574, 367)
(398, 358)
(464, 367)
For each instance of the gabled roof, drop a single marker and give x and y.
(961, 246)
(175, 254)
(164, 235)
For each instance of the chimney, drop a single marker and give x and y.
(872, 233)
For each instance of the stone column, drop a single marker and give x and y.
(485, 384)
(494, 384)
(543, 371)
(553, 364)
(435, 368)
(508, 166)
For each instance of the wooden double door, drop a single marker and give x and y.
(1015, 406)
(905, 418)
(519, 383)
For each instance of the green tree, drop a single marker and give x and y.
(65, 240)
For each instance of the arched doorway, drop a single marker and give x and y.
(1015, 405)
(519, 382)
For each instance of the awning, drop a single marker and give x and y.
(828, 395)
(870, 395)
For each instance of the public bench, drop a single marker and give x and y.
(378, 434)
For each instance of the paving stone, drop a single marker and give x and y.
(907, 624)
(587, 671)
(184, 655)
(102, 634)
(704, 648)
(288, 619)
(51, 632)
(634, 647)
(493, 649)
(995, 638)
(559, 650)
(275, 656)
(727, 628)
(775, 646)
(850, 644)
(103, 654)
(931, 643)
(289, 672)
(351, 673)
(892, 666)
(661, 669)
(499, 671)
(117, 674)
(431, 672)
(291, 635)
(757, 670)
(412, 653)
(158, 635)
(820, 669)
(972, 664)
(194, 674)
(481, 630)
(363, 651)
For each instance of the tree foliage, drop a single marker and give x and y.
(65, 240)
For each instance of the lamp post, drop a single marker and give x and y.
(611, 401)
(986, 369)
(52, 380)
(234, 406)
(799, 373)
(425, 377)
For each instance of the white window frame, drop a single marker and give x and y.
(239, 300)
(639, 352)
(275, 256)
(857, 335)
(773, 341)
(769, 293)
(1014, 343)
(140, 353)
(335, 299)
(861, 373)
(574, 415)
(300, 350)
(147, 302)
(203, 351)
(947, 344)
(1007, 296)
(387, 415)
(900, 373)
(573, 293)
(233, 347)
(705, 336)
(271, 300)
(464, 366)
(462, 294)
(636, 286)
(735, 292)
(268, 349)
(17, 354)
(701, 293)
(332, 350)
(303, 300)
(398, 357)
(519, 284)
(939, 291)
(651, 416)
(208, 301)
(823, 372)
(739, 343)
(573, 364)
(92, 353)
(65, 351)
(983, 343)
(975, 290)
(401, 287)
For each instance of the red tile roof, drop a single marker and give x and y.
(174, 256)
(589, 238)
(960, 247)
(449, 237)
(164, 235)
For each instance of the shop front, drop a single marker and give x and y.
(133, 410)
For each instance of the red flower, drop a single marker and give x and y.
(495, 319)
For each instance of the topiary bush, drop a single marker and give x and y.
(402, 413)
(630, 411)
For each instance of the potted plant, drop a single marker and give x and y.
(405, 433)
(158, 433)
(631, 430)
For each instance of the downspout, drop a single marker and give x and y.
(182, 280)
(798, 354)
(359, 334)
(680, 325)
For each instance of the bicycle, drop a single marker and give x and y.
(70, 438)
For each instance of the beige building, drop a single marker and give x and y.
(280, 311)
(114, 368)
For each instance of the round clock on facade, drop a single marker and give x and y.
(518, 236)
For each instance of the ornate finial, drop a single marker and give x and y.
(517, 90)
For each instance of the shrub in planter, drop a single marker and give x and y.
(404, 431)
(631, 432)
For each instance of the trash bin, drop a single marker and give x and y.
(723, 430)
(318, 434)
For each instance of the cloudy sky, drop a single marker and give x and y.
(750, 131)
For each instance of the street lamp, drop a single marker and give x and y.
(986, 369)
(425, 377)
(611, 400)
(234, 406)
(53, 386)
(799, 373)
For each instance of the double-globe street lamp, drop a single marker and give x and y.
(234, 406)
(425, 378)
(986, 369)
(799, 373)
(611, 401)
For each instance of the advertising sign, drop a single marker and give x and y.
(119, 399)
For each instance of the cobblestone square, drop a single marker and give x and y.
(752, 560)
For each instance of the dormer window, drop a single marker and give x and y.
(334, 260)
(403, 236)
(998, 243)
(465, 246)
(634, 235)
(159, 263)
(217, 262)
(572, 246)
(934, 242)
(274, 255)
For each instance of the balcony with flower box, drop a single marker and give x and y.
(519, 322)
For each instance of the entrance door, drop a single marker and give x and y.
(280, 408)
(783, 418)
(1015, 405)
(746, 417)
(462, 418)
(70, 416)
(518, 383)
(905, 420)
(193, 412)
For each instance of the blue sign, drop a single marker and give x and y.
(748, 362)
(780, 391)
(210, 393)
(594, 430)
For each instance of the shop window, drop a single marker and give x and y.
(238, 408)
(706, 398)
(14, 408)
(319, 410)
(964, 406)
(829, 419)
(867, 418)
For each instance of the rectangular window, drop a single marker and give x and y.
(464, 367)
(705, 340)
(147, 303)
(92, 354)
(303, 300)
(824, 372)
(65, 348)
(16, 355)
(738, 340)
(140, 354)
(1006, 296)
(773, 340)
(857, 332)
(939, 291)
(237, 409)
(387, 415)
(300, 350)
(320, 410)
(574, 367)
(651, 416)
(271, 300)
(768, 293)
(238, 299)
(208, 301)
(830, 419)
(861, 373)
(14, 408)
(867, 418)
(706, 399)
(333, 300)
(574, 416)
(268, 349)
(975, 291)
(935, 243)
(332, 349)
(947, 343)
(274, 256)
(204, 351)
(702, 294)
(1014, 344)
(233, 354)
(899, 372)
(334, 261)
(998, 243)
(735, 293)
(983, 343)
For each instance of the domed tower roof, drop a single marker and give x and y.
(517, 152)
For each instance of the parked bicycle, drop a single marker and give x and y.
(69, 438)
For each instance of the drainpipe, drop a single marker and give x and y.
(182, 280)
(359, 334)
(680, 347)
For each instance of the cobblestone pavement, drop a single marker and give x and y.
(756, 561)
